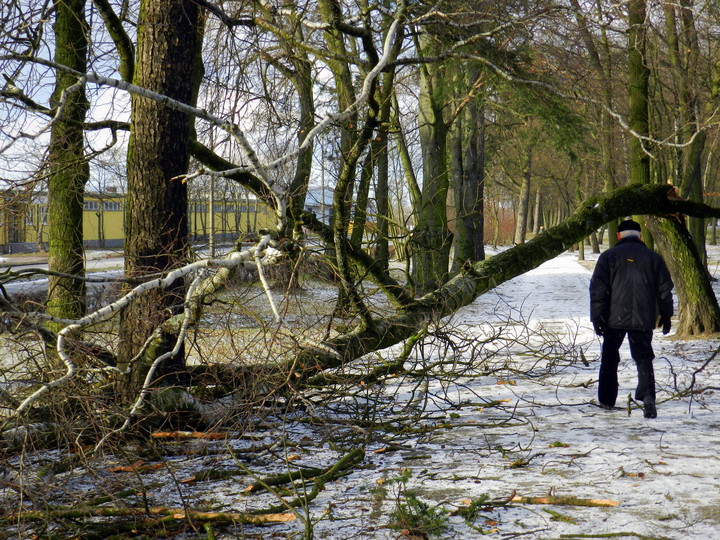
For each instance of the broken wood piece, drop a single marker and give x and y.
(564, 501)
(188, 435)
(138, 466)
(170, 513)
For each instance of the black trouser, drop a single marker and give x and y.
(641, 351)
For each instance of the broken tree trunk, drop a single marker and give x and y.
(479, 277)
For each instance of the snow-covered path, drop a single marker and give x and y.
(663, 473)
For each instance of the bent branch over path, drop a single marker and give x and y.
(476, 278)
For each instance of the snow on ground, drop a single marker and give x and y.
(663, 472)
(502, 432)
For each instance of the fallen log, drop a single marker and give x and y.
(564, 501)
(172, 513)
(479, 277)
(188, 435)
(284, 478)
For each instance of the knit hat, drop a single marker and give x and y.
(629, 225)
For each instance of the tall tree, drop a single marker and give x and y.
(69, 169)
(431, 238)
(638, 92)
(523, 208)
(684, 54)
(299, 72)
(699, 311)
(467, 143)
(598, 53)
(169, 35)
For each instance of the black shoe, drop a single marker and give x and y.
(606, 406)
(649, 408)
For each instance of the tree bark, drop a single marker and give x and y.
(684, 49)
(604, 74)
(69, 170)
(524, 200)
(699, 312)
(300, 74)
(343, 194)
(468, 173)
(638, 91)
(431, 239)
(169, 32)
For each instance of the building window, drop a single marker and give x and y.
(43, 213)
(112, 206)
(90, 205)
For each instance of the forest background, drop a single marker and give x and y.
(420, 119)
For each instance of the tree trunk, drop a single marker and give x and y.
(301, 77)
(699, 313)
(404, 154)
(69, 170)
(638, 91)
(359, 220)
(468, 175)
(343, 194)
(382, 198)
(169, 33)
(524, 201)
(537, 214)
(683, 50)
(431, 238)
(379, 152)
(596, 55)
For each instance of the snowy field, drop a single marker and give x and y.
(528, 426)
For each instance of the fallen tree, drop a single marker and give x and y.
(476, 278)
(410, 315)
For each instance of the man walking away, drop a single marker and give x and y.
(629, 288)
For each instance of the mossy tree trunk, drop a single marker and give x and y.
(683, 52)
(382, 190)
(638, 91)
(376, 167)
(431, 238)
(343, 194)
(69, 170)
(156, 216)
(298, 69)
(699, 312)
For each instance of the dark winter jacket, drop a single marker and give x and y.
(630, 287)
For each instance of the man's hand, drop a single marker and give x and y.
(665, 324)
(599, 328)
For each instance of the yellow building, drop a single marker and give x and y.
(24, 223)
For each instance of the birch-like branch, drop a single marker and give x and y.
(253, 254)
(159, 360)
(362, 99)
